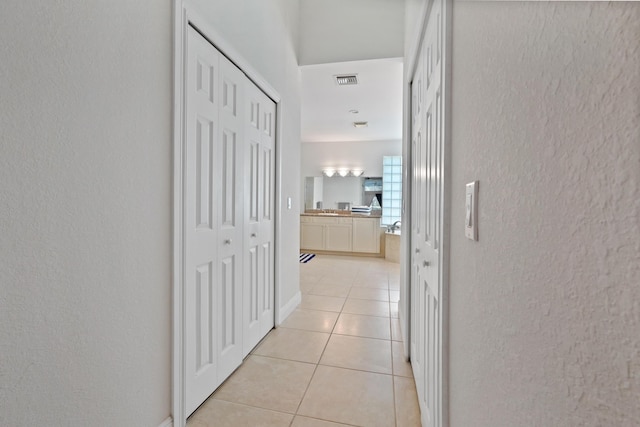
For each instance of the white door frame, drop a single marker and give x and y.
(184, 14)
(411, 62)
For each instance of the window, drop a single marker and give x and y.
(391, 189)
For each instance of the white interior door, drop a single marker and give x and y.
(201, 221)
(229, 201)
(427, 221)
(259, 275)
(229, 218)
(417, 227)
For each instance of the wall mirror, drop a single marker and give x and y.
(341, 192)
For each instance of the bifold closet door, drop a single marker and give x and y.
(259, 208)
(229, 189)
(212, 219)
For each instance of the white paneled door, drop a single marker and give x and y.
(230, 227)
(259, 205)
(228, 218)
(201, 220)
(428, 186)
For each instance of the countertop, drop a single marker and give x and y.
(336, 213)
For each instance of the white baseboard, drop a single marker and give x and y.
(288, 308)
(167, 423)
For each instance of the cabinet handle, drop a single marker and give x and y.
(227, 242)
(425, 264)
(253, 234)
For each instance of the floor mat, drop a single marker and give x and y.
(306, 257)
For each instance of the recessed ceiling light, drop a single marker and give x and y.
(360, 124)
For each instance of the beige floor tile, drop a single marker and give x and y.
(218, 413)
(369, 293)
(393, 309)
(267, 383)
(396, 333)
(311, 320)
(318, 302)
(371, 282)
(310, 279)
(299, 421)
(366, 307)
(330, 290)
(305, 288)
(406, 399)
(336, 278)
(350, 397)
(363, 326)
(365, 354)
(266, 390)
(400, 366)
(293, 344)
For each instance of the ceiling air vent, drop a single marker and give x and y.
(346, 79)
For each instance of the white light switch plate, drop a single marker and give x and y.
(471, 211)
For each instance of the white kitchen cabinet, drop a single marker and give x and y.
(311, 236)
(340, 234)
(366, 235)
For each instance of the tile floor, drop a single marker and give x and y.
(336, 361)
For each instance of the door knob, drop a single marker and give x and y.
(425, 264)
(253, 234)
(417, 250)
(227, 242)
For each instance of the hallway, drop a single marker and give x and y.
(337, 360)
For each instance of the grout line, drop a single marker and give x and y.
(316, 368)
(395, 410)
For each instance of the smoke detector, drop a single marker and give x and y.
(346, 79)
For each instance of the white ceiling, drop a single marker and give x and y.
(377, 97)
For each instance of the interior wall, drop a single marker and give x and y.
(350, 30)
(413, 16)
(86, 176)
(265, 34)
(365, 155)
(545, 308)
(85, 218)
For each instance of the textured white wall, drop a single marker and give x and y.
(85, 203)
(413, 16)
(366, 155)
(85, 219)
(545, 308)
(265, 34)
(350, 30)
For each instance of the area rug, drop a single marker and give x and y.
(306, 257)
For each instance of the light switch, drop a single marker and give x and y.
(471, 211)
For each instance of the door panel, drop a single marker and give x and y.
(228, 217)
(258, 223)
(230, 226)
(428, 141)
(200, 293)
(417, 300)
